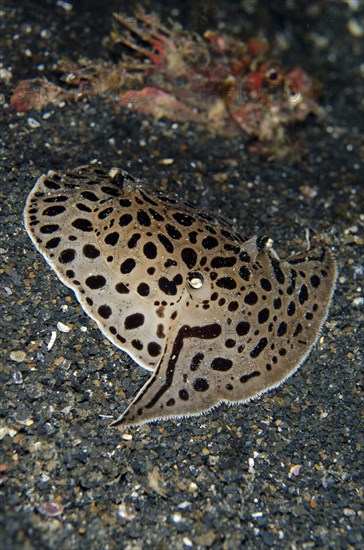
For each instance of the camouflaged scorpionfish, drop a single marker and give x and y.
(219, 82)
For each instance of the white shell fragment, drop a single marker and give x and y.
(62, 327)
(52, 340)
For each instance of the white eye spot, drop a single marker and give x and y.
(195, 280)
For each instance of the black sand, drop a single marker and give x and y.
(227, 480)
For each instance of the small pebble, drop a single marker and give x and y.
(177, 518)
(5, 75)
(51, 508)
(183, 505)
(52, 340)
(32, 122)
(294, 470)
(355, 28)
(62, 327)
(17, 377)
(67, 6)
(18, 356)
(166, 162)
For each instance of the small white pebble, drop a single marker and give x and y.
(5, 75)
(52, 340)
(354, 5)
(192, 487)
(187, 541)
(177, 518)
(251, 465)
(67, 6)
(33, 123)
(358, 302)
(17, 377)
(7, 431)
(294, 470)
(127, 437)
(166, 162)
(126, 511)
(62, 327)
(183, 505)
(355, 28)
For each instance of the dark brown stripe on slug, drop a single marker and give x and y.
(277, 271)
(206, 332)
